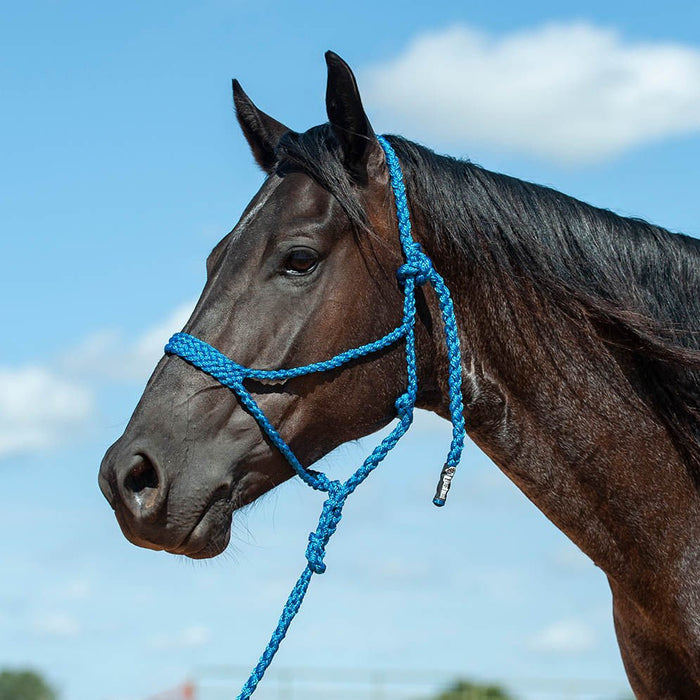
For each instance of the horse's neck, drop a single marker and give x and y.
(559, 417)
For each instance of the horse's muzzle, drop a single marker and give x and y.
(139, 492)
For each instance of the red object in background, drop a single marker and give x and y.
(182, 692)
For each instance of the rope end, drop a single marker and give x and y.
(443, 485)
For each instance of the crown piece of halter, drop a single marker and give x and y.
(417, 270)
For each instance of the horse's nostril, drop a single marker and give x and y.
(142, 476)
(142, 482)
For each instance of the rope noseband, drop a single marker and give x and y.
(417, 270)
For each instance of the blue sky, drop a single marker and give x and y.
(123, 166)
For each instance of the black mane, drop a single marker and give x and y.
(613, 262)
(636, 284)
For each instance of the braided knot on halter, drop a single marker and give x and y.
(328, 522)
(418, 265)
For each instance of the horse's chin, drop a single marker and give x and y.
(205, 548)
(210, 536)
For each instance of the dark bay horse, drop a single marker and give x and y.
(581, 373)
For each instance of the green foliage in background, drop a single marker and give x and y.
(464, 690)
(24, 685)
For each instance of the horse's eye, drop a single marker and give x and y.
(300, 261)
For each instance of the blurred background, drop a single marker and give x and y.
(122, 166)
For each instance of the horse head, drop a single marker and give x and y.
(307, 272)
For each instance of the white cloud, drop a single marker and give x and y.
(43, 406)
(38, 408)
(57, 624)
(570, 92)
(564, 637)
(75, 589)
(187, 638)
(110, 354)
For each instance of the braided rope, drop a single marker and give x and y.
(417, 270)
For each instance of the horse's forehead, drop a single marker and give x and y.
(257, 205)
(287, 199)
(298, 196)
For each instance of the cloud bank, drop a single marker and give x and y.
(38, 407)
(42, 406)
(112, 355)
(573, 93)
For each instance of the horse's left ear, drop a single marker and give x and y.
(361, 150)
(261, 131)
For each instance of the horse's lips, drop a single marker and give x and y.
(209, 537)
(211, 533)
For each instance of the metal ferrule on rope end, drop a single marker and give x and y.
(443, 485)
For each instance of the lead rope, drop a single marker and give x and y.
(417, 270)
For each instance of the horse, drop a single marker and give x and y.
(580, 368)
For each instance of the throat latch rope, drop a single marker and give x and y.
(417, 270)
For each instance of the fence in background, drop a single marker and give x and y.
(223, 683)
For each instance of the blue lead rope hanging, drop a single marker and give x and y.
(417, 270)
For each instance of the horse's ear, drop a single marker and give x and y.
(349, 121)
(261, 131)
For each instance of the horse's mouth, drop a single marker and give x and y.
(207, 537)
(210, 535)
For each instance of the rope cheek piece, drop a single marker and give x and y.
(417, 270)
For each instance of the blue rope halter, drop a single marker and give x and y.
(417, 270)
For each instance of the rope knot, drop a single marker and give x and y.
(328, 522)
(315, 552)
(418, 265)
(403, 405)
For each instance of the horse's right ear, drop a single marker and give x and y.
(261, 131)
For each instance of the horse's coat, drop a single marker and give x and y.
(580, 331)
